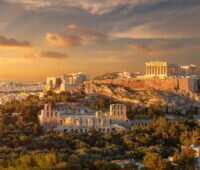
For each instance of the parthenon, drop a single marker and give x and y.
(161, 69)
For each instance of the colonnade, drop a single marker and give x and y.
(156, 70)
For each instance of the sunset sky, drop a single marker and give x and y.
(40, 38)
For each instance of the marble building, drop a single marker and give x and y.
(118, 111)
(161, 69)
(63, 83)
(189, 70)
(79, 119)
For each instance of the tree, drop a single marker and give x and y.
(104, 165)
(73, 163)
(154, 161)
(3, 122)
(155, 109)
(2, 129)
(185, 159)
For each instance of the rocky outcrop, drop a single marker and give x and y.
(168, 84)
(139, 91)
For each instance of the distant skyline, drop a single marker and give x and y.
(40, 38)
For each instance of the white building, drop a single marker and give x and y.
(161, 69)
(78, 78)
(165, 69)
(196, 148)
(189, 86)
(124, 75)
(79, 119)
(189, 70)
(66, 82)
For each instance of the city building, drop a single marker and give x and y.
(124, 75)
(189, 70)
(161, 69)
(189, 84)
(165, 69)
(80, 119)
(59, 84)
(78, 78)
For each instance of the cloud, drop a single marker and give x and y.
(6, 42)
(55, 39)
(161, 25)
(155, 46)
(92, 6)
(47, 55)
(86, 34)
(75, 35)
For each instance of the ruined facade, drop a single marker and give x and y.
(81, 121)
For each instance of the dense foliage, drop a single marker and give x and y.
(24, 145)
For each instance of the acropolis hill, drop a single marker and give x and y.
(164, 84)
(160, 76)
(167, 84)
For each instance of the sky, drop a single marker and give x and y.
(40, 38)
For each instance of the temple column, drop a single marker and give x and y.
(167, 70)
(146, 70)
(149, 70)
(163, 72)
(164, 69)
(156, 70)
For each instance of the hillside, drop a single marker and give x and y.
(139, 92)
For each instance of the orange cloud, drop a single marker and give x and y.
(75, 35)
(86, 34)
(47, 55)
(159, 29)
(55, 39)
(154, 46)
(6, 42)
